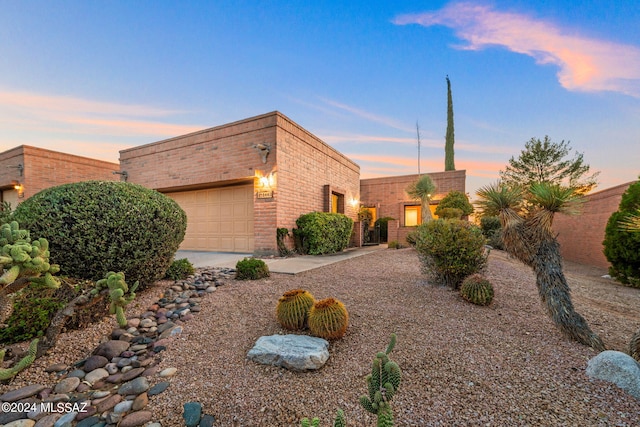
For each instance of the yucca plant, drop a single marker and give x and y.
(527, 235)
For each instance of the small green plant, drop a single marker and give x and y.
(251, 269)
(412, 238)
(328, 319)
(477, 290)
(30, 318)
(450, 250)
(5, 212)
(293, 308)
(119, 294)
(179, 269)
(383, 383)
(315, 422)
(394, 244)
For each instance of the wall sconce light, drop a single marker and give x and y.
(264, 150)
(267, 181)
(19, 188)
(354, 202)
(264, 182)
(123, 174)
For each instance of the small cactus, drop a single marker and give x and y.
(118, 288)
(293, 308)
(383, 383)
(328, 319)
(315, 422)
(27, 360)
(477, 290)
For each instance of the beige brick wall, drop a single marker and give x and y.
(300, 163)
(305, 166)
(388, 195)
(581, 236)
(46, 168)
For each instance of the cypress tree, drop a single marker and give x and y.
(448, 147)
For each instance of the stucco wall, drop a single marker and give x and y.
(45, 168)
(388, 195)
(581, 236)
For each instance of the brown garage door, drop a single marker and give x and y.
(218, 219)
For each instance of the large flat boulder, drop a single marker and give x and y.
(295, 352)
(618, 368)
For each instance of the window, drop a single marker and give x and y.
(337, 203)
(412, 215)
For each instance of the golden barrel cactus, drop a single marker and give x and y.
(293, 309)
(328, 319)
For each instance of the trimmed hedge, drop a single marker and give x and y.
(94, 227)
(323, 233)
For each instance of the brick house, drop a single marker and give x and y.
(26, 170)
(241, 181)
(386, 197)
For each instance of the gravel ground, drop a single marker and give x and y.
(463, 365)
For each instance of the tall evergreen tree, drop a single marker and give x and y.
(450, 139)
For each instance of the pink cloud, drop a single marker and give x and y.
(585, 64)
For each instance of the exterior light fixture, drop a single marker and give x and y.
(354, 202)
(19, 188)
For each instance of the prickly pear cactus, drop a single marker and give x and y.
(20, 258)
(328, 319)
(383, 383)
(27, 360)
(477, 290)
(293, 308)
(119, 294)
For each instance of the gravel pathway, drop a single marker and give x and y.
(463, 365)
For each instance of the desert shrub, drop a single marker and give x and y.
(457, 200)
(450, 250)
(179, 269)
(251, 269)
(384, 227)
(95, 227)
(323, 233)
(492, 230)
(450, 213)
(281, 234)
(622, 247)
(477, 290)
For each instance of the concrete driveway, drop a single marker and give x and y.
(289, 265)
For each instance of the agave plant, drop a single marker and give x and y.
(526, 216)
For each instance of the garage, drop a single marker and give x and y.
(218, 219)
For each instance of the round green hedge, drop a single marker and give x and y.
(94, 227)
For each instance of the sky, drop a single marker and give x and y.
(94, 77)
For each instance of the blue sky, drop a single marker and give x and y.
(92, 78)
